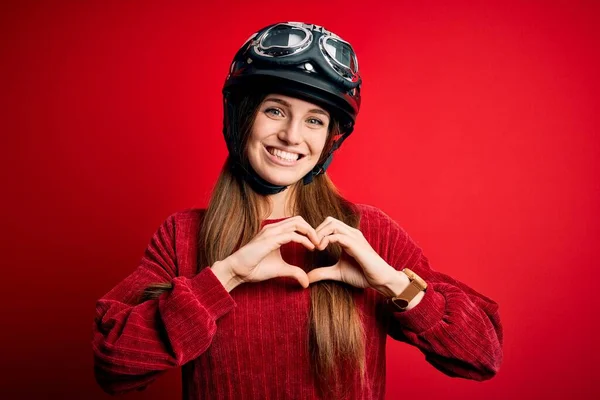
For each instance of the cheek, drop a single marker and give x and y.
(263, 124)
(318, 145)
(259, 131)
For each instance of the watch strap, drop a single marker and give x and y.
(415, 286)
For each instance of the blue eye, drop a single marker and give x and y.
(318, 121)
(272, 111)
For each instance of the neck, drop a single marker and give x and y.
(280, 204)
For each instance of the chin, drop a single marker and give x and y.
(279, 179)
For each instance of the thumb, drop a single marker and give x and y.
(296, 273)
(324, 273)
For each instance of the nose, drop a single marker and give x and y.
(291, 132)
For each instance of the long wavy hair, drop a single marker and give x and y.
(335, 335)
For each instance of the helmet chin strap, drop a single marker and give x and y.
(257, 183)
(265, 187)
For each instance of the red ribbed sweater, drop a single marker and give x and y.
(251, 343)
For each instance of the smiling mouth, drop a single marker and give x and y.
(269, 148)
(281, 161)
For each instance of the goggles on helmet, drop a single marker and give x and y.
(292, 40)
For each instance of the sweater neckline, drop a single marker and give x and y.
(273, 220)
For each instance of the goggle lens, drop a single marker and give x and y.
(283, 39)
(342, 53)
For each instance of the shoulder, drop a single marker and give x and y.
(387, 236)
(187, 215)
(376, 222)
(369, 211)
(183, 222)
(374, 216)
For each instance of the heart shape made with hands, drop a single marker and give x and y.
(359, 264)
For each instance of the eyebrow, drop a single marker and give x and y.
(285, 103)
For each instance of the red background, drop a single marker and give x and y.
(478, 133)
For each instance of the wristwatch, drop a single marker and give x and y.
(416, 285)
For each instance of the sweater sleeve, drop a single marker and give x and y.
(135, 342)
(455, 327)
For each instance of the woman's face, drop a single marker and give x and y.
(284, 128)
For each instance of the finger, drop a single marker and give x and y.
(322, 233)
(295, 237)
(304, 227)
(291, 271)
(324, 273)
(326, 221)
(299, 224)
(333, 227)
(331, 220)
(340, 238)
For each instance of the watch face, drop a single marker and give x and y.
(402, 303)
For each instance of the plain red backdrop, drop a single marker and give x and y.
(478, 133)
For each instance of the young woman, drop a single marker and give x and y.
(281, 288)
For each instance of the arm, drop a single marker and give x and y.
(457, 328)
(134, 342)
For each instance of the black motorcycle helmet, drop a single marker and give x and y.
(300, 60)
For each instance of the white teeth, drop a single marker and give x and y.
(284, 154)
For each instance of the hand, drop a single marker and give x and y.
(359, 264)
(261, 259)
